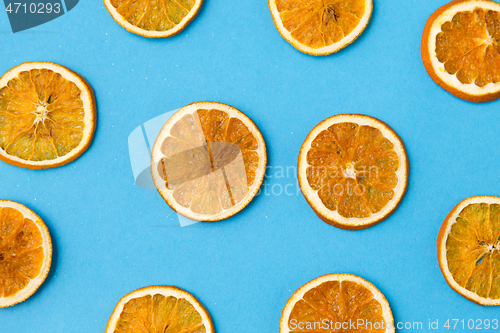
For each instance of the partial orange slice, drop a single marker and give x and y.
(337, 303)
(461, 49)
(320, 27)
(25, 253)
(208, 161)
(353, 171)
(47, 115)
(468, 248)
(160, 309)
(153, 18)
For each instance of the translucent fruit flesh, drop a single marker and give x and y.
(159, 314)
(338, 302)
(469, 46)
(41, 116)
(153, 15)
(353, 168)
(21, 251)
(473, 249)
(210, 161)
(319, 23)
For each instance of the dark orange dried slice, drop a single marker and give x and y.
(337, 303)
(461, 49)
(320, 27)
(353, 171)
(25, 253)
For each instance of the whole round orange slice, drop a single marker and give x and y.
(337, 303)
(353, 170)
(25, 253)
(160, 309)
(47, 115)
(468, 248)
(461, 49)
(153, 18)
(208, 161)
(320, 27)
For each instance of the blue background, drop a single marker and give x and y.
(111, 237)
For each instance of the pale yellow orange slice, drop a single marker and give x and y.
(47, 115)
(468, 249)
(153, 18)
(159, 309)
(208, 161)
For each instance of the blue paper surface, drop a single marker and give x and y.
(111, 236)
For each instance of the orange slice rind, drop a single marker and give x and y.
(208, 161)
(47, 115)
(353, 170)
(337, 303)
(160, 309)
(461, 49)
(320, 27)
(25, 253)
(468, 248)
(153, 18)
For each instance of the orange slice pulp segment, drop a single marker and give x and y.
(153, 15)
(353, 168)
(469, 46)
(460, 49)
(158, 313)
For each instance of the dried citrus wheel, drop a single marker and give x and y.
(337, 303)
(468, 248)
(461, 49)
(47, 115)
(159, 309)
(353, 170)
(153, 18)
(25, 253)
(320, 27)
(208, 161)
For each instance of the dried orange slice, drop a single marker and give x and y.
(461, 49)
(47, 115)
(320, 27)
(468, 248)
(208, 161)
(159, 309)
(25, 253)
(153, 18)
(337, 303)
(353, 170)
